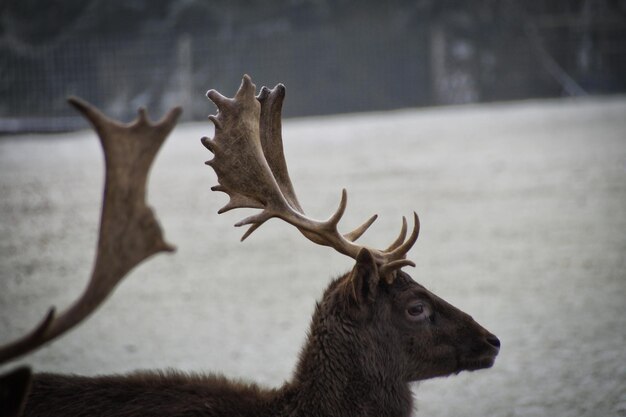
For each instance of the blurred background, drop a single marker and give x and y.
(502, 123)
(334, 56)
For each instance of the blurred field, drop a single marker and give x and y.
(523, 211)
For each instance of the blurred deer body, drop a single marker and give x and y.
(373, 333)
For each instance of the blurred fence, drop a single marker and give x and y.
(362, 72)
(415, 61)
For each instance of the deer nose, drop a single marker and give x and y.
(493, 341)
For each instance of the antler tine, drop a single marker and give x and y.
(250, 165)
(129, 230)
(398, 250)
(358, 232)
(400, 239)
(169, 120)
(270, 129)
(251, 229)
(334, 220)
(142, 116)
(388, 270)
(401, 251)
(220, 101)
(97, 119)
(326, 233)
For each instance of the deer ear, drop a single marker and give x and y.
(363, 279)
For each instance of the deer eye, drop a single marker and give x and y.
(416, 311)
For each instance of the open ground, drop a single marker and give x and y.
(523, 211)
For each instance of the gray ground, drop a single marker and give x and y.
(523, 210)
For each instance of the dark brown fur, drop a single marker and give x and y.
(363, 350)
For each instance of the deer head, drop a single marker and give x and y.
(369, 340)
(404, 322)
(375, 329)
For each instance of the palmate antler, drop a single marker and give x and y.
(129, 230)
(251, 169)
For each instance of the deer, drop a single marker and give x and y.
(373, 333)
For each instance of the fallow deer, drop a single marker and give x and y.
(374, 331)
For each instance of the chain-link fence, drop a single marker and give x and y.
(411, 60)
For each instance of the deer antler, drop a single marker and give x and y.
(251, 168)
(129, 231)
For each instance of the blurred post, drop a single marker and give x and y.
(184, 70)
(437, 63)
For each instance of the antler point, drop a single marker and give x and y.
(416, 221)
(166, 247)
(388, 270)
(250, 230)
(218, 124)
(358, 232)
(208, 143)
(334, 219)
(263, 94)
(281, 89)
(246, 88)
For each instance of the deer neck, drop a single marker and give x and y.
(335, 377)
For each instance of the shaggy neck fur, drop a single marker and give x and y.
(339, 373)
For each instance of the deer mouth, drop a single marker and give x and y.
(475, 364)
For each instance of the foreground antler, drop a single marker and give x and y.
(129, 231)
(251, 169)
